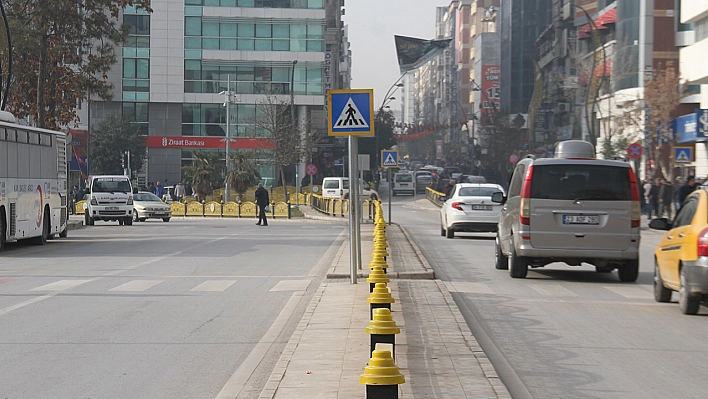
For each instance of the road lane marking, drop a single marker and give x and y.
(552, 290)
(214, 286)
(468, 287)
(136, 285)
(240, 377)
(291, 285)
(9, 309)
(61, 285)
(629, 292)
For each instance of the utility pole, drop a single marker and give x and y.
(227, 104)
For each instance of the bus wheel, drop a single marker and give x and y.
(64, 233)
(42, 238)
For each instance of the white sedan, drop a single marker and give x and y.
(469, 208)
(150, 206)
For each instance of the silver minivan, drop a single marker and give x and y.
(572, 209)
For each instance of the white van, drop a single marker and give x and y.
(109, 198)
(338, 187)
(403, 183)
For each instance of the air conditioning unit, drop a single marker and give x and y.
(562, 107)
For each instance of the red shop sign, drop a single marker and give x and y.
(209, 142)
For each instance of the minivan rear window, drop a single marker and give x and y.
(404, 178)
(331, 184)
(578, 181)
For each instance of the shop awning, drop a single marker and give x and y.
(609, 17)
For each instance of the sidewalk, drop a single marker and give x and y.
(435, 350)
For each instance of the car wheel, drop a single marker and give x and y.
(442, 231)
(143, 219)
(165, 220)
(661, 293)
(629, 272)
(86, 218)
(120, 222)
(518, 265)
(449, 233)
(128, 221)
(501, 261)
(687, 303)
(135, 216)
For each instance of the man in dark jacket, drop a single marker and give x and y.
(666, 195)
(686, 189)
(262, 201)
(654, 198)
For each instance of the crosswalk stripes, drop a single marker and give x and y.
(60, 285)
(628, 292)
(552, 290)
(214, 286)
(136, 286)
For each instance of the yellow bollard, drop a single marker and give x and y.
(382, 377)
(379, 298)
(376, 275)
(383, 330)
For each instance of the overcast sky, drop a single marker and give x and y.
(372, 25)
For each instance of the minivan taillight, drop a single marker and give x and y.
(636, 207)
(703, 243)
(525, 204)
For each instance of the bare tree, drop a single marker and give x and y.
(662, 95)
(292, 142)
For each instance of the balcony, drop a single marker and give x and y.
(692, 62)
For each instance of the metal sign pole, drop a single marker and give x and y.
(353, 201)
(390, 194)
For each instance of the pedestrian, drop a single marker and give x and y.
(666, 198)
(151, 187)
(262, 201)
(641, 196)
(677, 204)
(70, 200)
(159, 190)
(179, 192)
(686, 189)
(654, 197)
(646, 207)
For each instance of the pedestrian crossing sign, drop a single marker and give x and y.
(350, 112)
(389, 159)
(683, 154)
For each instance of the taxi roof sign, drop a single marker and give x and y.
(350, 112)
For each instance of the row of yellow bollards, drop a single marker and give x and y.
(381, 376)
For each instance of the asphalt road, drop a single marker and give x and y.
(195, 308)
(566, 332)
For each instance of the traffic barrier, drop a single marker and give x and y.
(436, 197)
(383, 330)
(382, 377)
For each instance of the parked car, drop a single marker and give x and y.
(573, 209)
(681, 258)
(403, 183)
(149, 206)
(469, 208)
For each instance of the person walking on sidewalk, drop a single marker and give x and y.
(654, 197)
(666, 198)
(686, 189)
(262, 201)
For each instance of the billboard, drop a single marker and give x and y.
(490, 91)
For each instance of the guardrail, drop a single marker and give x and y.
(436, 197)
(241, 209)
(340, 207)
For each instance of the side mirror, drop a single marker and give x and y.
(135, 190)
(87, 190)
(498, 198)
(660, 224)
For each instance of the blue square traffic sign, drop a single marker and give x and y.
(683, 154)
(389, 159)
(350, 112)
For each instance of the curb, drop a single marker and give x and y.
(74, 224)
(418, 253)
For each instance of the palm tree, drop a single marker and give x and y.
(244, 172)
(203, 172)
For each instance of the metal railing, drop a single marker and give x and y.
(436, 197)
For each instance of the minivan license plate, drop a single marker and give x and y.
(576, 219)
(112, 208)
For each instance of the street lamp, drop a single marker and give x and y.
(227, 103)
(292, 120)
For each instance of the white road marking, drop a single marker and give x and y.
(137, 285)
(552, 290)
(214, 285)
(629, 292)
(60, 285)
(468, 287)
(291, 285)
(9, 309)
(239, 378)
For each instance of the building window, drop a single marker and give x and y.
(701, 29)
(311, 4)
(138, 113)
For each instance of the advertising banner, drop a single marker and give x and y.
(490, 92)
(207, 142)
(413, 53)
(438, 149)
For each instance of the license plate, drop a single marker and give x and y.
(481, 207)
(159, 213)
(575, 219)
(112, 208)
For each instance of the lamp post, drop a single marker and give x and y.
(227, 103)
(292, 120)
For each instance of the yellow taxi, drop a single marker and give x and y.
(681, 258)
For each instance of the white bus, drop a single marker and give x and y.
(33, 183)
